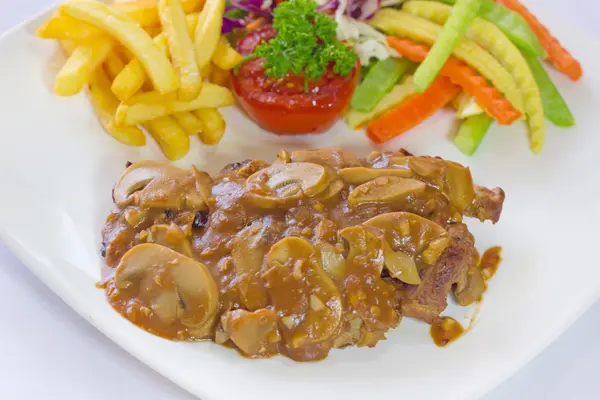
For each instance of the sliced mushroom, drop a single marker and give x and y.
(364, 245)
(336, 158)
(360, 175)
(429, 168)
(460, 185)
(283, 185)
(421, 239)
(248, 250)
(157, 184)
(332, 190)
(386, 189)
(171, 236)
(400, 265)
(332, 259)
(251, 332)
(296, 280)
(176, 288)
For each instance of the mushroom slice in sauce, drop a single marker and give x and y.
(248, 250)
(252, 332)
(308, 303)
(409, 241)
(333, 157)
(360, 175)
(386, 190)
(174, 295)
(171, 236)
(283, 185)
(460, 185)
(158, 184)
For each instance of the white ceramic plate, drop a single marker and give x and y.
(57, 168)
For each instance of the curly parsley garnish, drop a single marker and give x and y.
(305, 43)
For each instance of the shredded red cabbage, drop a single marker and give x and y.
(357, 9)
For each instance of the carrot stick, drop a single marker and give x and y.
(412, 111)
(257, 23)
(557, 55)
(488, 97)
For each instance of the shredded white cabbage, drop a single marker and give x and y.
(368, 41)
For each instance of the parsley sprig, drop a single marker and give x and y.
(305, 43)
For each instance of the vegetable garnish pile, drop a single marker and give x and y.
(483, 57)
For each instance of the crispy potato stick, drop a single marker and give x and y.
(105, 104)
(145, 14)
(113, 65)
(131, 35)
(206, 71)
(208, 30)
(402, 23)
(219, 76)
(63, 27)
(226, 57)
(150, 105)
(131, 80)
(183, 53)
(74, 75)
(489, 37)
(170, 136)
(191, 124)
(213, 125)
(153, 30)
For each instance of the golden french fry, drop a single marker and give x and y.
(225, 56)
(105, 104)
(208, 30)
(131, 35)
(190, 123)
(183, 53)
(143, 107)
(133, 76)
(153, 31)
(63, 27)
(213, 125)
(75, 74)
(145, 14)
(113, 65)
(170, 136)
(219, 76)
(206, 71)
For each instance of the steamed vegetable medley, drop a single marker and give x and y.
(482, 57)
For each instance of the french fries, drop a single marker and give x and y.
(183, 54)
(213, 125)
(105, 105)
(190, 123)
(225, 57)
(208, 31)
(139, 63)
(63, 27)
(170, 136)
(131, 35)
(75, 73)
(150, 105)
(133, 77)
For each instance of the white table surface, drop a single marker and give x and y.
(48, 352)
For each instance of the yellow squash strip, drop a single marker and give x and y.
(170, 136)
(133, 76)
(131, 35)
(105, 104)
(396, 96)
(492, 39)
(150, 105)
(76, 72)
(401, 23)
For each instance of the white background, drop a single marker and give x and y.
(48, 352)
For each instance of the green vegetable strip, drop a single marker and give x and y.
(471, 133)
(378, 81)
(555, 107)
(462, 13)
(511, 24)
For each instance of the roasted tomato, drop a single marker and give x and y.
(284, 106)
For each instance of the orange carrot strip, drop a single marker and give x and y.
(412, 111)
(557, 55)
(257, 23)
(487, 96)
